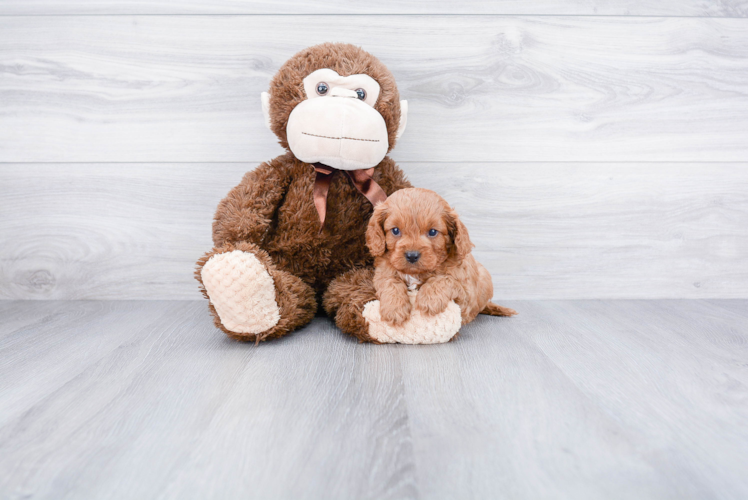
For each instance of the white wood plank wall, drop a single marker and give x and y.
(704, 8)
(594, 148)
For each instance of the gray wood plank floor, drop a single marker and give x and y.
(571, 399)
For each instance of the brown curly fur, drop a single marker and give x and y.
(345, 298)
(446, 268)
(271, 212)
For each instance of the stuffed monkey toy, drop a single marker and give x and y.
(291, 236)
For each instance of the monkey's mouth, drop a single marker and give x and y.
(330, 132)
(340, 138)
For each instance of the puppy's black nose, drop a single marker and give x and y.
(412, 257)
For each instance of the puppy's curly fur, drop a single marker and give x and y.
(417, 239)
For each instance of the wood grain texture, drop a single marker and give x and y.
(154, 401)
(481, 88)
(570, 399)
(687, 354)
(117, 231)
(130, 231)
(716, 8)
(640, 388)
(735, 306)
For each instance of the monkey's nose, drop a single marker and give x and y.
(412, 257)
(343, 92)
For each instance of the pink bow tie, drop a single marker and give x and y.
(361, 178)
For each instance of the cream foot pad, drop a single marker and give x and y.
(419, 329)
(242, 292)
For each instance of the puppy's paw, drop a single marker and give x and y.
(394, 311)
(431, 301)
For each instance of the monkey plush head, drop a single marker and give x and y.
(335, 104)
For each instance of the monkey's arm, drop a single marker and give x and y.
(246, 212)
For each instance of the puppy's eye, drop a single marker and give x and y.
(395, 231)
(433, 232)
(361, 93)
(322, 88)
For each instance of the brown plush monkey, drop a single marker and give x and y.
(292, 233)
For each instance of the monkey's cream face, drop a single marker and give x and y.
(337, 124)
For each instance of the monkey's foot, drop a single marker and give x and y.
(242, 292)
(419, 329)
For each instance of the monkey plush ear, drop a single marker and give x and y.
(403, 119)
(375, 231)
(265, 98)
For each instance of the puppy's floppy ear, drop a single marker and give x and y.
(458, 234)
(375, 231)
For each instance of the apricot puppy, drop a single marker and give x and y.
(419, 243)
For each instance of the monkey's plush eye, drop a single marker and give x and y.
(361, 93)
(322, 88)
(433, 232)
(395, 231)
